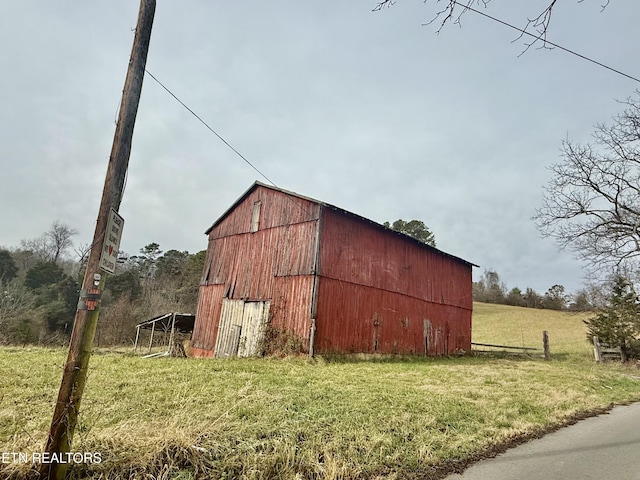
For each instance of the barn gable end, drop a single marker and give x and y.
(261, 250)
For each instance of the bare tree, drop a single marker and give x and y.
(59, 239)
(38, 248)
(82, 251)
(16, 312)
(453, 10)
(592, 202)
(53, 244)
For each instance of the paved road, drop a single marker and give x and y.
(603, 447)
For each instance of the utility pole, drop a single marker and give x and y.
(75, 371)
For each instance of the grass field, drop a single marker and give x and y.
(330, 418)
(523, 327)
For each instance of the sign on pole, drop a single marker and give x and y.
(103, 257)
(111, 244)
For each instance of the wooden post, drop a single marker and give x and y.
(596, 349)
(135, 344)
(545, 345)
(172, 335)
(153, 328)
(84, 327)
(312, 337)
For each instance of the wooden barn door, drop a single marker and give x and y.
(241, 329)
(254, 322)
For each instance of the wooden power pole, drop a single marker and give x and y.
(75, 371)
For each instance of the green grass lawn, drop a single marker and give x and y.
(330, 418)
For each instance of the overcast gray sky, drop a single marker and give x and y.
(369, 111)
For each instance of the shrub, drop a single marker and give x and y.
(618, 323)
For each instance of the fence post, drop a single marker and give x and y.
(596, 349)
(545, 344)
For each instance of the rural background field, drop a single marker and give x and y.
(348, 418)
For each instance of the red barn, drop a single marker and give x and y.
(327, 280)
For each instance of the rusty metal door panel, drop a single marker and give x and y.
(254, 323)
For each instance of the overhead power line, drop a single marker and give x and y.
(211, 129)
(465, 7)
(222, 139)
(547, 42)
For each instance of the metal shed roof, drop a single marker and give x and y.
(184, 322)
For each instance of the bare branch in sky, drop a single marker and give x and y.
(453, 10)
(592, 202)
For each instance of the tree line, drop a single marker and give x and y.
(40, 283)
(491, 289)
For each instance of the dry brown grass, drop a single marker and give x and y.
(189, 419)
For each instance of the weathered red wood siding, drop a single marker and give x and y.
(292, 297)
(274, 263)
(205, 328)
(379, 292)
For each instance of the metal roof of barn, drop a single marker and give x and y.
(405, 237)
